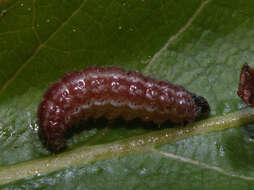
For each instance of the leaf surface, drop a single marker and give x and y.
(198, 44)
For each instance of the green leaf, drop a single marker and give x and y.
(200, 44)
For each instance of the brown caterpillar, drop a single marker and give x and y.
(112, 92)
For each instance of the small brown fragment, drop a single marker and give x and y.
(246, 85)
(3, 12)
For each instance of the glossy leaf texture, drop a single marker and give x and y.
(200, 44)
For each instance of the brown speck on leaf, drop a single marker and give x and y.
(3, 12)
(246, 85)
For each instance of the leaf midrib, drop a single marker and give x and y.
(133, 145)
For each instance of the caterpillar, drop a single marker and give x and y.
(112, 92)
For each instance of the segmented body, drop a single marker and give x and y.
(112, 92)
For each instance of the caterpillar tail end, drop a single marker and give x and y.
(55, 143)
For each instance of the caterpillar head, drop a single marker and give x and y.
(202, 106)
